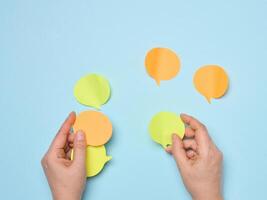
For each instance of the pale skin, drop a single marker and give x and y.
(65, 177)
(198, 160)
(197, 157)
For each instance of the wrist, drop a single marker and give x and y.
(66, 196)
(208, 197)
(203, 193)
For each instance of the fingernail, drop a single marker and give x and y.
(183, 115)
(80, 136)
(174, 136)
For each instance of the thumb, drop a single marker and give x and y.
(79, 149)
(178, 151)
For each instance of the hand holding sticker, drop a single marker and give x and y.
(163, 125)
(162, 64)
(211, 81)
(92, 90)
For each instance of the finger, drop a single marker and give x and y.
(191, 154)
(71, 138)
(189, 132)
(201, 132)
(178, 151)
(60, 140)
(192, 122)
(168, 149)
(68, 154)
(79, 150)
(190, 144)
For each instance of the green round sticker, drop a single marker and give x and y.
(163, 125)
(92, 90)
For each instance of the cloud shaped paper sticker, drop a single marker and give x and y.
(95, 125)
(163, 125)
(162, 64)
(92, 90)
(211, 81)
(96, 159)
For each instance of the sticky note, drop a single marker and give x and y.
(163, 125)
(92, 90)
(96, 159)
(95, 125)
(162, 64)
(211, 81)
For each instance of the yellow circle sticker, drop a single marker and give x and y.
(96, 159)
(163, 125)
(92, 90)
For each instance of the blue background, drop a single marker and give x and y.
(46, 46)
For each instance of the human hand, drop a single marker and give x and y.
(199, 161)
(66, 178)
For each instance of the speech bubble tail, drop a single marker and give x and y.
(157, 81)
(165, 145)
(208, 99)
(98, 107)
(108, 158)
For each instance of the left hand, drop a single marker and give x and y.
(66, 178)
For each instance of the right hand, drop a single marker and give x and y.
(199, 161)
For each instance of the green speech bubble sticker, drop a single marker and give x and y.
(163, 125)
(96, 159)
(92, 90)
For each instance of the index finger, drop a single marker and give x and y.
(200, 131)
(62, 135)
(192, 122)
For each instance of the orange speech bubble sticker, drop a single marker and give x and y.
(211, 81)
(162, 64)
(95, 125)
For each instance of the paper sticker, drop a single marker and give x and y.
(96, 159)
(163, 125)
(211, 81)
(162, 64)
(92, 90)
(95, 125)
